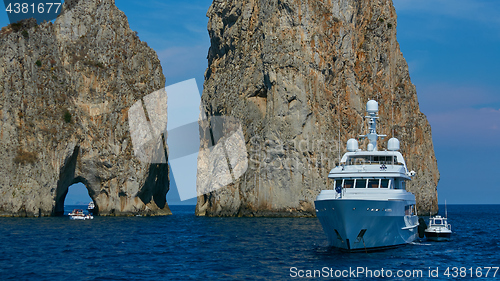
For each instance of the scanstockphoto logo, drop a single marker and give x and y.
(223, 157)
(294, 155)
(149, 134)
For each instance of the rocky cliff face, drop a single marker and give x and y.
(297, 74)
(65, 90)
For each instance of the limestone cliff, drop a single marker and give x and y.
(297, 74)
(65, 90)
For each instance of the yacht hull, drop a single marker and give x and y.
(363, 225)
(438, 236)
(80, 217)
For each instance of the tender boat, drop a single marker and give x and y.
(369, 207)
(438, 229)
(77, 214)
(91, 208)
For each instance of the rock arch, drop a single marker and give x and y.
(66, 179)
(76, 128)
(113, 193)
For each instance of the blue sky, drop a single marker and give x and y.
(452, 49)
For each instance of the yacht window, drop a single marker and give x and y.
(348, 183)
(360, 160)
(408, 210)
(438, 222)
(396, 184)
(384, 183)
(360, 183)
(373, 183)
(372, 159)
(403, 185)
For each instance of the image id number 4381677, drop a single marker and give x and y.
(471, 272)
(39, 8)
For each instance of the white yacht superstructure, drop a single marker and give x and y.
(369, 207)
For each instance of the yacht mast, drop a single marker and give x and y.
(372, 136)
(445, 209)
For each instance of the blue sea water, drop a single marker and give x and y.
(186, 247)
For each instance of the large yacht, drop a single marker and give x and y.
(369, 207)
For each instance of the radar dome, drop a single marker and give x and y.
(372, 106)
(393, 144)
(370, 147)
(352, 145)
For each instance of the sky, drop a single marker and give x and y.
(452, 49)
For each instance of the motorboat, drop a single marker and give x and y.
(368, 207)
(91, 208)
(438, 229)
(77, 214)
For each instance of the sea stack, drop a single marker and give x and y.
(297, 74)
(65, 92)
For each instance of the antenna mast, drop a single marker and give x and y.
(372, 136)
(445, 209)
(340, 125)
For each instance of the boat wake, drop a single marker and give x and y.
(420, 244)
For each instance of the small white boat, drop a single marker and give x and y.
(91, 208)
(77, 214)
(439, 229)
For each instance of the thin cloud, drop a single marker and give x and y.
(466, 127)
(443, 97)
(461, 114)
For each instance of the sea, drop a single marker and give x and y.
(186, 247)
